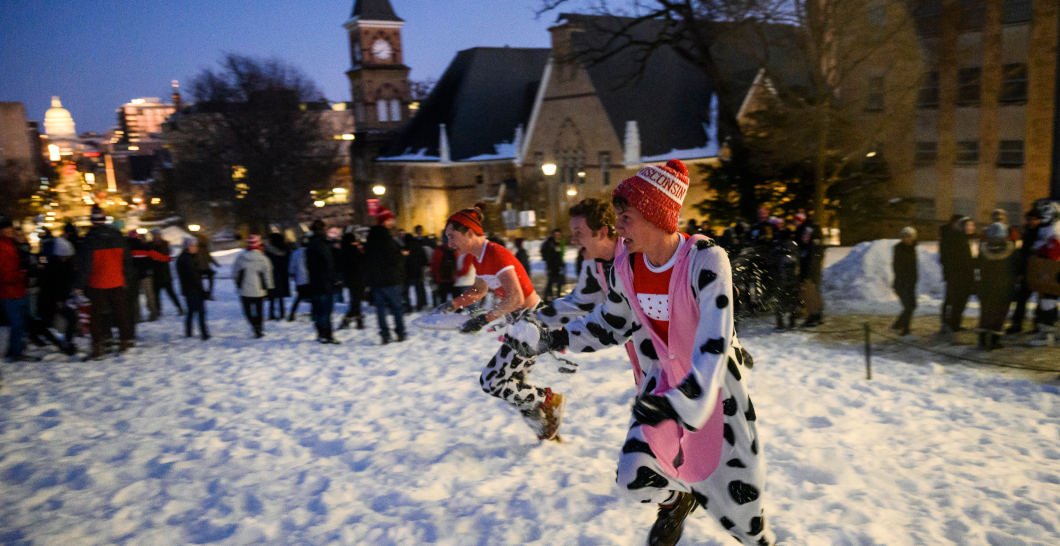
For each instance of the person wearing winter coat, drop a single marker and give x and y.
(552, 254)
(296, 269)
(693, 440)
(57, 278)
(905, 277)
(415, 261)
(352, 268)
(141, 280)
(996, 264)
(320, 263)
(103, 264)
(948, 244)
(784, 271)
(190, 276)
(960, 268)
(13, 285)
(276, 251)
(521, 254)
(163, 277)
(206, 263)
(1048, 246)
(443, 270)
(1031, 222)
(252, 272)
(384, 274)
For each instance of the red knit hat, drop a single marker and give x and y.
(470, 218)
(254, 242)
(657, 192)
(383, 215)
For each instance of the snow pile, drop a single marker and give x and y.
(175, 237)
(283, 441)
(861, 282)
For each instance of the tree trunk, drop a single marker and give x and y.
(820, 183)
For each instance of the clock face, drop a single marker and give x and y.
(381, 50)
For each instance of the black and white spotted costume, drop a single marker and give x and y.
(732, 493)
(507, 374)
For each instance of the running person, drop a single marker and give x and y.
(507, 374)
(692, 440)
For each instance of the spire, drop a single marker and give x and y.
(632, 143)
(176, 95)
(374, 10)
(443, 144)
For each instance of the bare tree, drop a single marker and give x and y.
(256, 140)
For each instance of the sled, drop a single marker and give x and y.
(1043, 276)
(450, 321)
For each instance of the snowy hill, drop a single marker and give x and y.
(861, 281)
(282, 441)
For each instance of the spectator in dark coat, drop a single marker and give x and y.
(385, 275)
(443, 270)
(522, 255)
(415, 262)
(552, 254)
(320, 263)
(960, 284)
(905, 276)
(206, 263)
(1032, 224)
(277, 253)
(103, 263)
(163, 277)
(56, 287)
(948, 234)
(190, 276)
(352, 267)
(996, 264)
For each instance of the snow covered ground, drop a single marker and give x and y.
(283, 441)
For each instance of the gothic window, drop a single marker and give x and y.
(381, 110)
(395, 110)
(358, 112)
(605, 168)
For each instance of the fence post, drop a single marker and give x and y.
(868, 351)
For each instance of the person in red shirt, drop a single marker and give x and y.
(104, 260)
(507, 374)
(13, 290)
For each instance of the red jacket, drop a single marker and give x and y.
(104, 259)
(12, 276)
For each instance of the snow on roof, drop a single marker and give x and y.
(504, 150)
(420, 155)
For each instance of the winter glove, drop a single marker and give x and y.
(475, 324)
(444, 309)
(530, 338)
(652, 409)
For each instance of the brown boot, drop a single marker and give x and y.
(552, 415)
(671, 520)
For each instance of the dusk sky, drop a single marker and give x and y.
(97, 55)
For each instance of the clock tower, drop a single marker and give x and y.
(379, 79)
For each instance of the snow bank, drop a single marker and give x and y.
(860, 282)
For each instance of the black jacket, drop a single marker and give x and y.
(552, 257)
(417, 258)
(320, 263)
(163, 276)
(190, 275)
(280, 258)
(352, 262)
(905, 267)
(384, 264)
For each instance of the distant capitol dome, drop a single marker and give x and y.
(58, 122)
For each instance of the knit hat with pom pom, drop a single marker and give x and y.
(658, 193)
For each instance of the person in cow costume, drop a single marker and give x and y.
(692, 441)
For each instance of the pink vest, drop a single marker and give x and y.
(698, 453)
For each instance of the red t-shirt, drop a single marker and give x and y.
(652, 285)
(494, 260)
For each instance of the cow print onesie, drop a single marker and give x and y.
(507, 374)
(732, 494)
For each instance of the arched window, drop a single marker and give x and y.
(395, 110)
(381, 111)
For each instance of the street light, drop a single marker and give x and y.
(53, 152)
(90, 178)
(193, 227)
(319, 203)
(379, 189)
(549, 169)
(571, 191)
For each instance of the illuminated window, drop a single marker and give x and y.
(395, 110)
(381, 110)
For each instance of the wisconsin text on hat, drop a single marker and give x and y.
(672, 186)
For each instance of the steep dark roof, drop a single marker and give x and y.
(374, 10)
(484, 94)
(670, 97)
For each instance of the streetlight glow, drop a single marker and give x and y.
(572, 192)
(347, 136)
(870, 154)
(193, 227)
(53, 152)
(319, 203)
(549, 169)
(379, 190)
(339, 190)
(90, 178)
